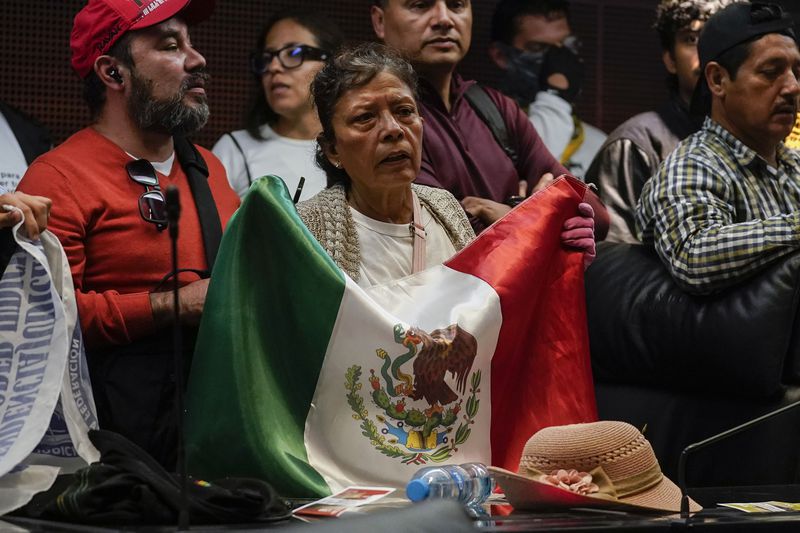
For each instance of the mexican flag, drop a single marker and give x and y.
(304, 379)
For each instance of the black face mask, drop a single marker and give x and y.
(522, 77)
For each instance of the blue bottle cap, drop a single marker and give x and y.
(417, 490)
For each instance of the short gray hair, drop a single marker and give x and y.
(352, 68)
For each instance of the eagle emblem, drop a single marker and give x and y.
(420, 416)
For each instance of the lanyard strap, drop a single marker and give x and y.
(418, 233)
(196, 170)
(575, 142)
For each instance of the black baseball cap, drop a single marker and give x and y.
(735, 24)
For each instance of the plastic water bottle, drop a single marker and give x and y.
(469, 483)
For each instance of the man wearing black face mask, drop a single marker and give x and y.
(533, 44)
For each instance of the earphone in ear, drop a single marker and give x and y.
(115, 75)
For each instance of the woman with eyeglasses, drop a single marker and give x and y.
(282, 123)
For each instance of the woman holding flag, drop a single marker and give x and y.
(307, 380)
(372, 220)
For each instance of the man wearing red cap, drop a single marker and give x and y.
(145, 86)
(725, 203)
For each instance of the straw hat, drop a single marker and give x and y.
(602, 464)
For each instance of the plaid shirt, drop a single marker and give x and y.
(716, 212)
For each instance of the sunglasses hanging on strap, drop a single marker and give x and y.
(196, 170)
(152, 204)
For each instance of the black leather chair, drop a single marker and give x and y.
(684, 367)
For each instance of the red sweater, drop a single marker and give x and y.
(116, 257)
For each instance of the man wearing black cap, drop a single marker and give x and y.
(725, 202)
(145, 85)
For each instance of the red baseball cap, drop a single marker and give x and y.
(102, 22)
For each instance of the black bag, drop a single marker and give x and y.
(196, 171)
(134, 391)
(128, 486)
(487, 111)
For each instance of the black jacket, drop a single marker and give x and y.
(631, 155)
(33, 138)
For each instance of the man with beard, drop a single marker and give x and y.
(145, 87)
(633, 151)
(725, 203)
(460, 151)
(533, 44)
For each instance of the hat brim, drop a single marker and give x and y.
(525, 493)
(191, 11)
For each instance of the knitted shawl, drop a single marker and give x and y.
(327, 215)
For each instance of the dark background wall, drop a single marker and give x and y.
(624, 70)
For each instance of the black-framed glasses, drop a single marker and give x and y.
(290, 56)
(152, 205)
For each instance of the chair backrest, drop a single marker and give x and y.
(645, 330)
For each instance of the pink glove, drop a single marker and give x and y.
(578, 232)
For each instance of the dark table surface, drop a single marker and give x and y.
(712, 518)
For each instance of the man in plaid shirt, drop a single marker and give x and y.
(725, 202)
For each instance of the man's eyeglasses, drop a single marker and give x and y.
(290, 56)
(152, 205)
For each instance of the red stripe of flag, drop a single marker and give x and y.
(541, 371)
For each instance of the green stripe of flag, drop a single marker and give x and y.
(256, 366)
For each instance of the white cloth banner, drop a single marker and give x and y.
(46, 404)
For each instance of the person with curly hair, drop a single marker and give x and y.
(635, 149)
